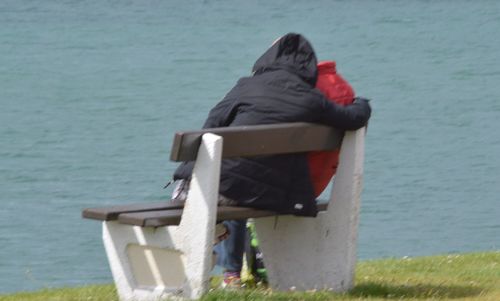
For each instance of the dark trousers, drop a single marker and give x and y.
(230, 251)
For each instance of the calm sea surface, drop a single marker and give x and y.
(91, 93)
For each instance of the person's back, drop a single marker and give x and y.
(323, 164)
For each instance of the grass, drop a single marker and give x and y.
(473, 276)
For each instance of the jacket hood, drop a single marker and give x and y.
(293, 53)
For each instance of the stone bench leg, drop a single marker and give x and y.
(152, 263)
(319, 253)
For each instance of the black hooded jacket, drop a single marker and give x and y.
(280, 90)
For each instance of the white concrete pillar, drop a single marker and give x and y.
(319, 253)
(174, 261)
(199, 216)
(146, 263)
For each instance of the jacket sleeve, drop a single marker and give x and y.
(222, 114)
(350, 117)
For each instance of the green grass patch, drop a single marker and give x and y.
(473, 276)
(87, 293)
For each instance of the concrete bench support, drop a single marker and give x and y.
(151, 263)
(319, 253)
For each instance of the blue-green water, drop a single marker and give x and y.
(91, 93)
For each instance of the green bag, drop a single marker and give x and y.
(254, 257)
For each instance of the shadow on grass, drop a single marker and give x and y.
(414, 291)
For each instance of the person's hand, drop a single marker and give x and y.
(360, 99)
(364, 103)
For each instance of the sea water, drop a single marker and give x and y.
(91, 93)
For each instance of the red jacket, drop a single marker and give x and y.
(323, 165)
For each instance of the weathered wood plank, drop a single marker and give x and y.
(173, 217)
(112, 212)
(167, 213)
(151, 218)
(245, 141)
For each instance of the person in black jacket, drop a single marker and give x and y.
(280, 90)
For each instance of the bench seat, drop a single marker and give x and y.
(160, 214)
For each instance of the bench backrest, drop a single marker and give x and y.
(245, 141)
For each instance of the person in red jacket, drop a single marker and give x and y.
(323, 164)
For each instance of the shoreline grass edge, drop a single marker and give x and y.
(468, 276)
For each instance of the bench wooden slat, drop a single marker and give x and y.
(166, 213)
(244, 141)
(173, 217)
(111, 213)
(151, 218)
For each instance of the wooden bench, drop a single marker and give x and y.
(164, 249)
